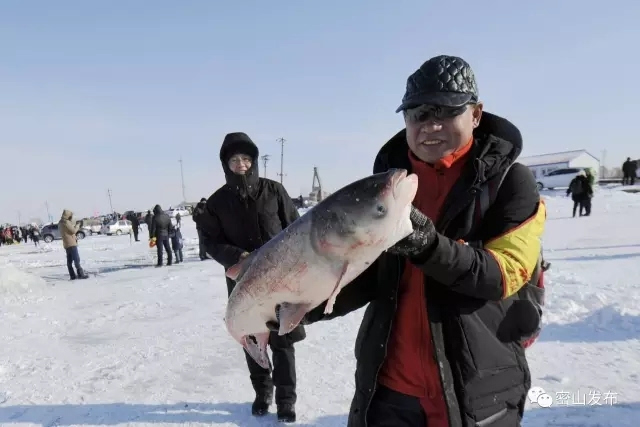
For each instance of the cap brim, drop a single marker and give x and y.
(441, 99)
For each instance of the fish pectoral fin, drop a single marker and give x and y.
(256, 347)
(328, 309)
(291, 315)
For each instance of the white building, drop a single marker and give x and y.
(545, 163)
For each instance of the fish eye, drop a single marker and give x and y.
(381, 210)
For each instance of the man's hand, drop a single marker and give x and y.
(275, 326)
(424, 234)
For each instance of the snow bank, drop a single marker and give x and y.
(15, 281)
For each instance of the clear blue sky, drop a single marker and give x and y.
(97, 95)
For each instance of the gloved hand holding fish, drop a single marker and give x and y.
(310, 261)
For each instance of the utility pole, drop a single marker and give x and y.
(184, 192)
(265, 159)
(281, 141)
(110, 204)
(46, 203)
(603, 168)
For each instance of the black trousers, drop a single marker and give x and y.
(284, 372)
(202, 250)
(135, 232)
(163, 242)
(582, 202)
(392, 409)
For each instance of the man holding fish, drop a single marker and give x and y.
(440, 343)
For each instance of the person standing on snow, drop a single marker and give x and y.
(237, 219)
(441, 341)
(197, 211)
(629, 168)
(161, 228)
(581, 193)
(148, 219)
(135, 224)
(35, 236)
(176, 243)
(70, 244)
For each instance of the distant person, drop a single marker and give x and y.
(161, 227)
(629, 168)
(178, 219)
(590, 177)
(148, 219)
(35, 236)
(70, 244)
(581, 193)
(176, 243)
(196, 216)
(239, 218)
(135, 224)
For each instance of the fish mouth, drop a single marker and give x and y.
(396, 178)
(403, 185)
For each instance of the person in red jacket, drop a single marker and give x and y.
(441, 341)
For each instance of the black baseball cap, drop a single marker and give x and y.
(445, 81)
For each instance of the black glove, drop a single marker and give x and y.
(275, 326)
(423, 236)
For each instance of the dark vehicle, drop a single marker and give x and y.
(51, 232)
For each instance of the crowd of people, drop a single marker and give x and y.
(10, 235)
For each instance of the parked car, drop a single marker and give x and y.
(559, 178)
(51, 232)
(179, 210)
(121, 226)
(91, 226)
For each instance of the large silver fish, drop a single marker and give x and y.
(316, 256)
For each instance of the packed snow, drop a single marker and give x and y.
(135, 345)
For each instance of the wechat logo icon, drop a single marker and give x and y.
(539, 396)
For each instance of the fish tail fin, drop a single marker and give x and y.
(256, 347)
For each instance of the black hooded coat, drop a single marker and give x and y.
(160, 224)
(246, 212)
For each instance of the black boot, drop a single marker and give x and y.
(82, 274)
(261, 404)
(286, 413)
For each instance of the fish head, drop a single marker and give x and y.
(372, 212)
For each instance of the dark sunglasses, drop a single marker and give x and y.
(424, 113)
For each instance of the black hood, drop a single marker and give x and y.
(240, 143)
(157, 209)
(497, 144)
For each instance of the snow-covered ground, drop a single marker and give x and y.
(135, 345)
